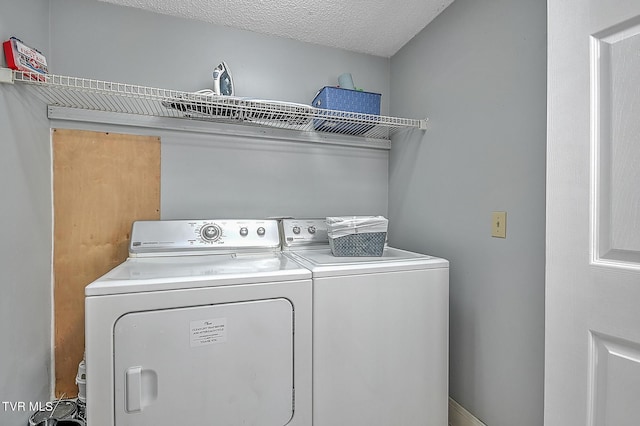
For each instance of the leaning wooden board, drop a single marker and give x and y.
(102, 182)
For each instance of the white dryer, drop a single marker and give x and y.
(380, 332)
(205, 323)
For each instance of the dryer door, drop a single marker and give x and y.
(227, 364)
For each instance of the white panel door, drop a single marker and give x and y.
(228, 364)
(592, 360)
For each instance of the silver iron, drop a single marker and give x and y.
(222, 81)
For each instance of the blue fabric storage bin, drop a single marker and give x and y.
(338, 99)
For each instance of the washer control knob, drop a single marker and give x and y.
(296, 230)
(261, 231)
(244, 231)
(211, 232)
(312, 229)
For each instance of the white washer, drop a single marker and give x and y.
(380, 332)
(205, 323)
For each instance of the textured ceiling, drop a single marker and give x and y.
(376, 27)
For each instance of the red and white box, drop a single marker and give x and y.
(23, 58)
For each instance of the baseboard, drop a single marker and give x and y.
(458, 416)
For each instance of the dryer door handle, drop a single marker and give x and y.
(133, 389)
(141, 388)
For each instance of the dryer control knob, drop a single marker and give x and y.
(211, 232)
(296, 230)
(244, 231)
(312, 229)
(261, 231)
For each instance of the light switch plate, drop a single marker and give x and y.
(499, 224)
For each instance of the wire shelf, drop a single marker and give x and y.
(97, 95)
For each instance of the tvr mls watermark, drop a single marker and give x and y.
(27, 406)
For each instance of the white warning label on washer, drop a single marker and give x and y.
(208, 332)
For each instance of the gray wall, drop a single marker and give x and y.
(25, 227)
(478, 71)
(212, 176)
(107, 42)
(217, 176)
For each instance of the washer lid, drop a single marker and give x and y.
(138, 275)
(322, 262)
